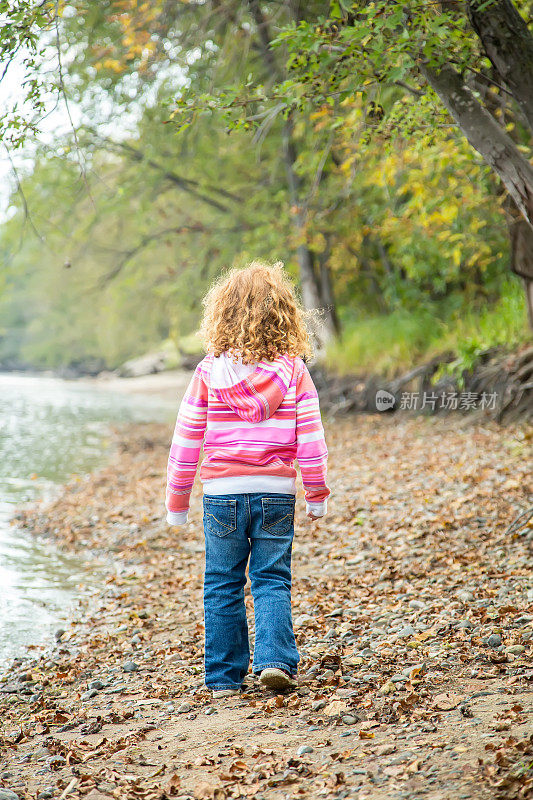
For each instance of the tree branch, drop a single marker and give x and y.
(186, 184)
(485, 135)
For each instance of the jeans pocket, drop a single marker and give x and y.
(278, 514)
(220, 515)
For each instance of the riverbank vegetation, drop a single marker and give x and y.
(209, 135)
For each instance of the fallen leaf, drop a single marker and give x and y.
(446, 701)
(335, 707)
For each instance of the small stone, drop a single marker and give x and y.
(184, 708)
(210, 711)
(46, 794)
(366, 652)
(385, 749)
(130, 666)
(318, 705)
(88, 694)
(305, 748)
(345, 692)
(418, 669)
(302, 619)
(398, 678)
(515, 649)
(143, 614)
(417, 604)
(35, 697)
(349, 719)
(116, 689)
(464, 596)
(7, 794)
(494, 640)
(59, 633)
(465, 623)
(96, 684)
(406, 631)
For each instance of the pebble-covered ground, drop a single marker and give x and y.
(413, 609)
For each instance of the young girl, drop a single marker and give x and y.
(254, 400)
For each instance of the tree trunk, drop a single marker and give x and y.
(528, 288)
(509, 45)
(326, 287)
(310, 283)
(311, 289)
(521, 238)
(485, 135)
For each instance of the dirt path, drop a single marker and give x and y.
(401, 599)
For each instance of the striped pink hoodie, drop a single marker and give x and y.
(256, 420)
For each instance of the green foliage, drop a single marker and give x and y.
(24, 26)
(397, 210)
(391, 344)
(500, 325)
(384, 344)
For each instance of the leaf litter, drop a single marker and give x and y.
(413, 614)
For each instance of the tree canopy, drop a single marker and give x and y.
(318, 134)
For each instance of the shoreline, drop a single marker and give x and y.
(167, 385)
(117, 707)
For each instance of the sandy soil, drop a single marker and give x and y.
(414, 618)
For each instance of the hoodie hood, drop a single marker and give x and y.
(252, 391)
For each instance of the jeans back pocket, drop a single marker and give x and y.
(278, 514)
(220, 515)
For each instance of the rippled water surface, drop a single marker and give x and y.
(50, 429)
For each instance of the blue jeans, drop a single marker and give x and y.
(260, 526)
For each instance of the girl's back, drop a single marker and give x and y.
(253, 405)
(258, 409)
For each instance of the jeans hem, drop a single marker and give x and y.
(276, 665)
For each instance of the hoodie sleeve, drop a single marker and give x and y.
(311, 450)
(185, 449)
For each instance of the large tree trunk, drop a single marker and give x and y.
(485, 135)
(509, 45)
(503, 157)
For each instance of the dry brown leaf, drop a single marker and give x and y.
(335, 707)
(446, 701)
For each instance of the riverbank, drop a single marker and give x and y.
(167, 385)
(414, 618)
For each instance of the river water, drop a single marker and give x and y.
(50, 430)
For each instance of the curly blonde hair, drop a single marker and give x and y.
(254, 312)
